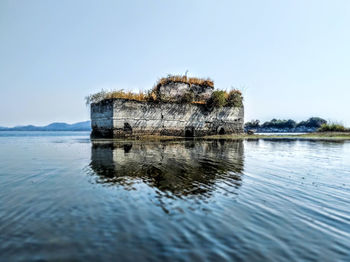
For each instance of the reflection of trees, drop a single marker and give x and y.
(179, 168)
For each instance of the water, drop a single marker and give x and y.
(65, 199)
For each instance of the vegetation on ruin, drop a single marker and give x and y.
(234, 98)
(219, 98)
(184, 79)
(114, 94)
(187, 97)
(222, 98)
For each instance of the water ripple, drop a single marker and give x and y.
(65, 199)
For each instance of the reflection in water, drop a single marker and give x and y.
(179, 169)
(293, 201)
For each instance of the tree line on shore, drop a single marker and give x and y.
(313, 124)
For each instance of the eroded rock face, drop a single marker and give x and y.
(174, 91)
(202, 92)
(120, 118)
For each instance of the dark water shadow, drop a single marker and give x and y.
(175, 169)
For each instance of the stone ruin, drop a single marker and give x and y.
(115, 118)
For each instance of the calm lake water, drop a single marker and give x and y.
(63, 198)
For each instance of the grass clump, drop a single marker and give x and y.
(103, 95)
(222, 98)
(186, 80)
(333, 127)
(217, 99)
(234, 98)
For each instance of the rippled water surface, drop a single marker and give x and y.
(63, 198)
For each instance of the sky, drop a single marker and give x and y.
(291, 58)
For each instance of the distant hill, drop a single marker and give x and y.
(80, 126)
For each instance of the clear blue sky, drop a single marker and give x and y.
(290, 58)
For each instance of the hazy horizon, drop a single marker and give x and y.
(290, 58)
(46, 124)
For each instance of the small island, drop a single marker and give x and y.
(178, 106)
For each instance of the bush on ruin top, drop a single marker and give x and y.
(219, 98)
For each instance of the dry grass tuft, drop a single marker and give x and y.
(186, 80)
(201, 102)
(121, 94)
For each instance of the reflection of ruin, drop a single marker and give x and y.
(179, 168)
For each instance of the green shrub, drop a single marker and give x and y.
(234, 98)
(151, 96)
(217, 99)
(332, 127)
(187, 97)
(97, 97)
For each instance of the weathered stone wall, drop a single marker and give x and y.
(120, 117)
(102, 119)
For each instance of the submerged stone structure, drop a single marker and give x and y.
(114, 118)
